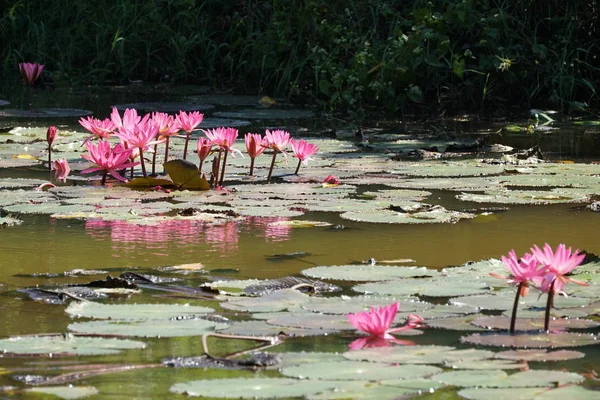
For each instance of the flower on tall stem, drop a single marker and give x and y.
(524, 270)
(277, 141)
(108, 160)
(30, 72)
(188, 122)
(556, 265)
(141, 136)
(61, 169)
(50, 137)
(253, 147)
(101, 129)
(303, 150)
(377, 322)
(224, 138)
(203, 149)
(130, 118)
(167, 127)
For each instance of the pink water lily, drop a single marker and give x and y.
(203, 149)
(130, 118)
(224, 138)
(50, 137)
(108, 160)
(167, 126)
(303, 150)
(141, 136)
(277, 141)
(378, 320)
(61, 169)
(101, 129)
(188, 122)
(557, 264)
(330, 180)
(30, 72)
(254, 148)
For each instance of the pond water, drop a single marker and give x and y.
(42, 248)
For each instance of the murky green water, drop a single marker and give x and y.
(42, 245)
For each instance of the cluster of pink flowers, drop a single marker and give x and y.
(142, 134)
(542, 269)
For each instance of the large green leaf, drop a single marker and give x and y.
(186, 175)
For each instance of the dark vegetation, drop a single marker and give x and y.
(446, 55)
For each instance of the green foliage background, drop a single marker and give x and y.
(344, 55)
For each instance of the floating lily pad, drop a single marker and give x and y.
(227, 99)
(9, 221)
(266, 113)
(532, 378)
(461, 323)
(489, 365)
(166, 107)
(437, 215)
(47, 208)
(345, 304)
(174, 327)
(134, 312)
(308, 357)
(455, 184)
(66, 392)
(366, 272)
(252, 388)
(539, 355)
(534, 341)
(276, 301)
(230, 286)
(523, 324)
(20, 183)
(209, 123)
(356, 370)
(567, 392)
(66, 345)
(504, 301)
(370, 390)
(325, 322)
(262, 328)
(271, 285)
(434, 287)
(553, 196)
(418, 355)
(43, 113)
(456, 169)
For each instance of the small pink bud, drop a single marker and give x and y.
(51, 135)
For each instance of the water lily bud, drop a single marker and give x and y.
(51, 135)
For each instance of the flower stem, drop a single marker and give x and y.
(154, 160)
(252, 167)
(187, 139)
(216, 173)
(549, 306)
(49, 158)
(271, 169)
(142, 161)
(513, 317)
(298, 167)
(103, 182)
(223, 169)
(167, 149)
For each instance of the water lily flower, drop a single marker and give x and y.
(224, 138)
(108, 160)
(303, 150)
(101, 129)
(30, 72)
(50, 137)
(167, 127)
(130, 118)
(277, 141)
(141, 137)
(254, 148)
(188, 122)
(378, 320)
(61, 169)
(556, 265)
(203, 149)
(524, 271)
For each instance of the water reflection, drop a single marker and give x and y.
(221, 237)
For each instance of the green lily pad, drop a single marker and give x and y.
(539, 355)
(278, 300)
(567, 392)
(262, 328)
(524, 324)
(185, 175)
(325, 322)
(461, 323)
(554, 196)
(133, 312)
(531, 378)
(166, 107)
(436, 215)
(66, 392)
(434, 287)
(43, 113)
(66, 345)
(266, 113)
(366, 272)
(20, 183)
(148, 328)
(455, 184)
(346, 304)
(534, 341)
(47, 208)
(499, 364)
(446, 169)
(357, 370)
(418, 355)
(307, 357)
(252, 388)
(370, 390)
(9, 221)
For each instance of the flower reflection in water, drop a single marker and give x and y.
(272, 231)
(223, 237)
